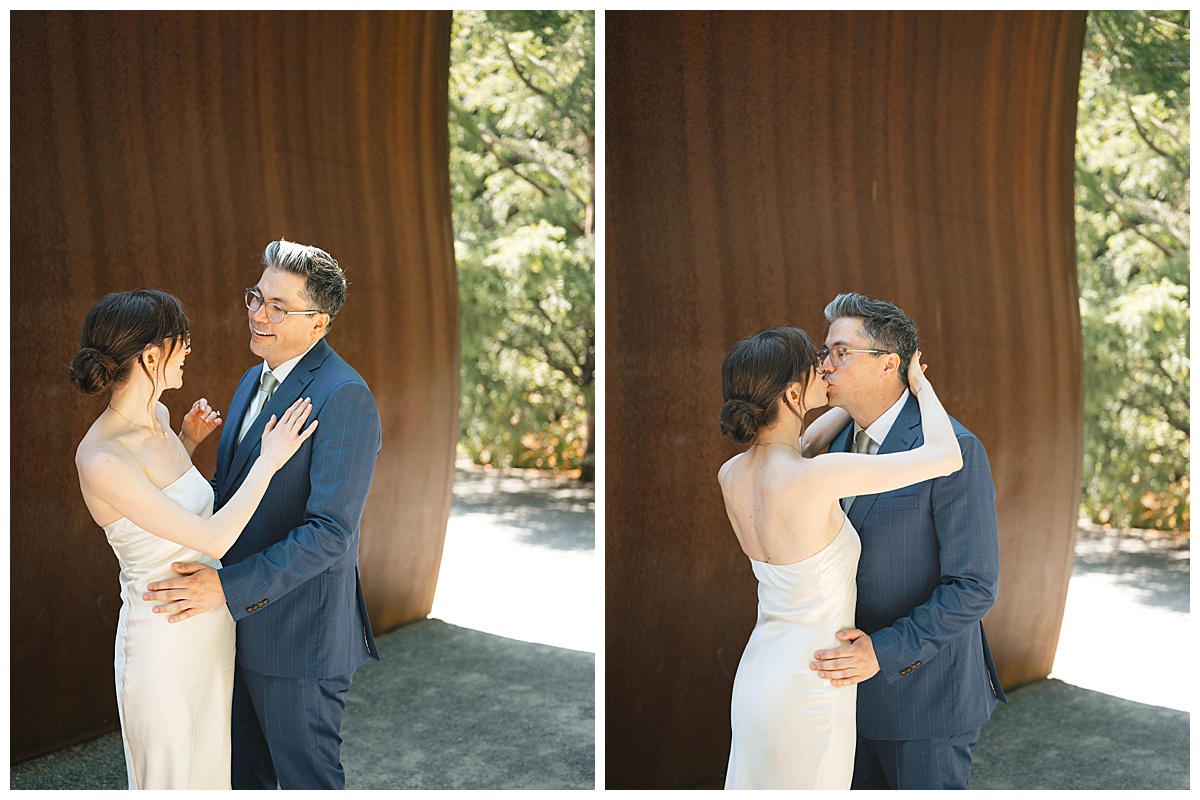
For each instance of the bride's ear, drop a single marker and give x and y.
(794, 397)
(150, 357)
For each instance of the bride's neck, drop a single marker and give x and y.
(136, 400)
(785, 430)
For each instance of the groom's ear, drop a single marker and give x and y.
(320, 323)
(891, 366)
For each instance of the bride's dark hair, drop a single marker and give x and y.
(117, 330)
(755, 375)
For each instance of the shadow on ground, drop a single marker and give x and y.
(545, 510)
(448, 708)
(1156, 569)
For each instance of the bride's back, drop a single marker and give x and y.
(777, 513)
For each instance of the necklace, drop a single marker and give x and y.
(764, 444)
(136, 424)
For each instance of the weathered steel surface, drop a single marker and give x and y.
(757, 165)
(166, 150)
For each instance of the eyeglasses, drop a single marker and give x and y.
(275, 312)
(837, 355)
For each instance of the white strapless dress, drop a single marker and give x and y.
(792, 729)
(174, 682)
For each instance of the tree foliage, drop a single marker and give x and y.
(1133, 216)
(522, 133)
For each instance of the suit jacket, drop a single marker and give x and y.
(291, 580)
(929, 571)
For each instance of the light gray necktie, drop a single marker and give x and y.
(862, 444)
(269, 382)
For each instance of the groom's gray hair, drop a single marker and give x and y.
(885, 326)
(325, 282)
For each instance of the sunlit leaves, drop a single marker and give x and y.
(522, 92)
(1133, 239)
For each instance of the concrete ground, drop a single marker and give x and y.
(1115, 712)
(496, 690)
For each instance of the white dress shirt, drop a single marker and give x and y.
(281, 372)
(879, 429)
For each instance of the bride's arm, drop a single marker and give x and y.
(822, 431)
(850, 474)
(122, 483)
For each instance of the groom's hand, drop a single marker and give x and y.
(849, 664)
(199, 591)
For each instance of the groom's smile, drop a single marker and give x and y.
(295, 325)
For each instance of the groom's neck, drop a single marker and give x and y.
(872, 408)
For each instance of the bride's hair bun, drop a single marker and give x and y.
(740, 420)
(93, 371)
(756, 373)
(118, 329)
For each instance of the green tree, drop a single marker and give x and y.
(522, 133)
(1133, 232)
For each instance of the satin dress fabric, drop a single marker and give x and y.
(174, 681)
(791, 728)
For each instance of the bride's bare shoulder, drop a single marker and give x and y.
(99, 453)
(727, 468)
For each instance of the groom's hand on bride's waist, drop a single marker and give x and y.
(849, 664)
(198, 590)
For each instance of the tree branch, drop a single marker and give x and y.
(533, 157)
(1089, 180)
(504, 162)
(525, 80)
(1181, 425)
(1168, 24)
(537, 303)
(1145, 136)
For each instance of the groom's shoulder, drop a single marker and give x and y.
(970, 444)
(338, 371)
(962, 432)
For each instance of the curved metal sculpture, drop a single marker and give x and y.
(757, 165)
(166, 150)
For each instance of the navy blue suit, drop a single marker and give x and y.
(928, 573)
(291, 580)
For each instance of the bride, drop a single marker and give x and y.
(791, 728)
(174, 687)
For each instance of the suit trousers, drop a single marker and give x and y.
(915, 763)
(287, 731)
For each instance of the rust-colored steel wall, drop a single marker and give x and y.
(757, 165)
(166, 150)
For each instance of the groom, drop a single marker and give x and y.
(291, 581)
(928, 573)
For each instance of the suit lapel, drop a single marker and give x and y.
(900, 438)
(288, 392)
(238, 407)
(841, 442)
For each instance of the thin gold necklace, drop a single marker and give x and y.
(136, 424)
(768, 444)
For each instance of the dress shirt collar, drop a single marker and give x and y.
(283, 370)
(879, 429)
